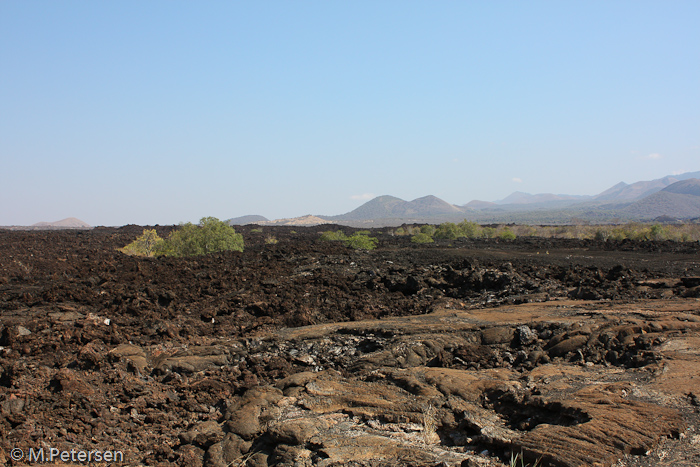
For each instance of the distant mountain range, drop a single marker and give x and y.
(243, 220)
(670, 198)
(68, 223)
(674, 197)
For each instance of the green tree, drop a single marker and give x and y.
(145, 245)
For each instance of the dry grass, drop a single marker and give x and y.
(429, 424)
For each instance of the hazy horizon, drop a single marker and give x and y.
(155, 113)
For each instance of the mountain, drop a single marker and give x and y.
(430, 205)
(680, 200)
(519, 197)
(623, 192)
(250, 219)
(68, 223)
(688, 175)
(674, 197)
(306, 221)
(390, 207)
(478, 204)
(377, 208)
(689, 186)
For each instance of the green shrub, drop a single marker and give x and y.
(257, 230)
(428, 230)
(448, 230)
(360, 241)
(488, 232)
(422, 238)
(330, 236)
(271, 240)
(657, 232)
(145, 245)
(469, 229)
(640, 234)
(209, 236)
(506, 234)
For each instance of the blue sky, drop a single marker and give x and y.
(168, 111)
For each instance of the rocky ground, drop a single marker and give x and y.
(462, 353)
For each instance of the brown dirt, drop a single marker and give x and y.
(308, 353)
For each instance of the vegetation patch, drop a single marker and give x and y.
(635, 231)
(209, 236)
(146, 245)
(422, 238)
(358, 241)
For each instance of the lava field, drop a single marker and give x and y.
(308, 353)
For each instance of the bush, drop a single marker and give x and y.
(469, 229)
(448, 230)
(146, 245)
(210, 236)
(602, 235)
(618, 234)
(422, 238)
(506, 234)
(488, 232)
(657, 232)
(428, 230)
(330, 236)
(361, 241)
(408, 230)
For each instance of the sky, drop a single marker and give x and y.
(161, 112)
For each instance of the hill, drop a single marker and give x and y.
(478, 204)
(675, 197)
(623, 192)
(390, 207)
(377, 208)
(679, 200)
(519, 197)
(685, 187)
(307, 220)
(250, 219)
(67, 223)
